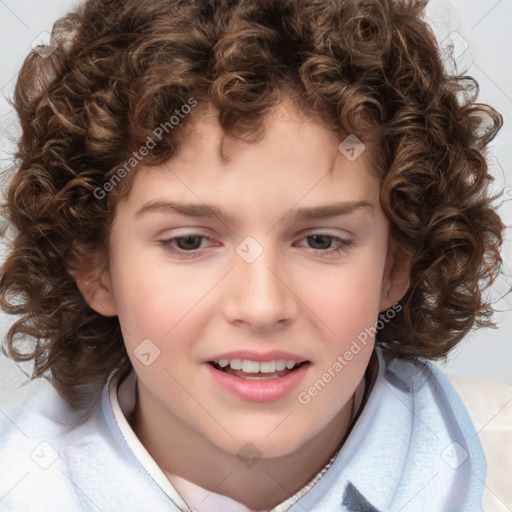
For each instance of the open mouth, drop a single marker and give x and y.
(255, 370)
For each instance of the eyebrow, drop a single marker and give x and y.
(202, 210)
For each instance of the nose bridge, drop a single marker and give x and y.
(259, 294)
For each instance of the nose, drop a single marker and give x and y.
(260, 296)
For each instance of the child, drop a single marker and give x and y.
(257, 369)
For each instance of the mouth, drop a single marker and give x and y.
(256, 370)
(253, 380)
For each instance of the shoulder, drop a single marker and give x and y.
(490, 406)
(482, 409)
(414, 433)
(39, 437)
(69, 459)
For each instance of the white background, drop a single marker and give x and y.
(481, 34)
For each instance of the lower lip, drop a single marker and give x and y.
(258, 390)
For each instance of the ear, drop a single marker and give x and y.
(92, 277)
(396, 278)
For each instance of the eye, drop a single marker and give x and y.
(186, 244)
(189, 246)
(325, 242)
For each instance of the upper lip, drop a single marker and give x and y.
(251, 355)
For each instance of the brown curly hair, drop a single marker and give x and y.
(120, 68)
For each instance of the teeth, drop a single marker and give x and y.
(236, 364)
(268, 367)
(281, 365)
(249, 366)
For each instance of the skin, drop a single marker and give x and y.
(296, 296)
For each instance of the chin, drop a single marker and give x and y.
(260, 444)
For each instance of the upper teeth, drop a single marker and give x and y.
(249, 366)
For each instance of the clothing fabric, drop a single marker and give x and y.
(412, 448)
(490, 406)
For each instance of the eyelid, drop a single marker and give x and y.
(196, 231)
(343, 244)
(301, 234)
(325, 231)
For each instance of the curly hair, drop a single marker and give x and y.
(120, 68)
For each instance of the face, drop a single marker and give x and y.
(270, 278)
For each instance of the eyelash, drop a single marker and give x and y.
(344, 245)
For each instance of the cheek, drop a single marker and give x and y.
(348, 296)
(156, 299)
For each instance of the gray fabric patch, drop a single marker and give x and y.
(354, 501)
(396, 381)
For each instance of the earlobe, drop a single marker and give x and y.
(396, 278)
(93, 281)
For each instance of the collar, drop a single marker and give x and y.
(413, 447)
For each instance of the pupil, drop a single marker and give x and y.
(187, 245)
(325, 237)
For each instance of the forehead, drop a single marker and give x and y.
(289, 135)
(298, 160)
